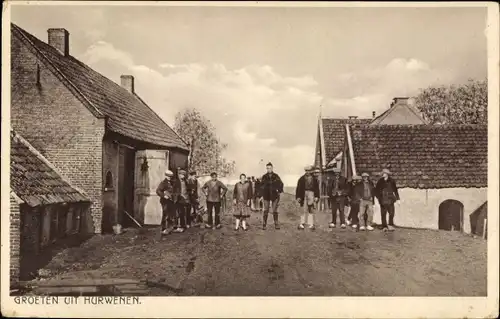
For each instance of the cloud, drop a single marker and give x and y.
(372, 89)
(264, 116)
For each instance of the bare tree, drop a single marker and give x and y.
(206, 149)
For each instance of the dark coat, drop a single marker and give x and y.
(165, 190)
(386, 191)
(271, 186)
(257, 193)
(242, 192)
(177, 190)
(192, 187)
(300, 191)
(343, 187)
(357, 191)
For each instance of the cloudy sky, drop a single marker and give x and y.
(260, 74)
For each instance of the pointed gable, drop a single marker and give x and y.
(334, 133)
(400, 112)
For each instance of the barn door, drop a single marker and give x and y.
(150, 166)
(451, 215)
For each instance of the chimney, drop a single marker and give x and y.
(128, 82)
(399, 100)
(373, 114)
(59, 39)
(352, 117)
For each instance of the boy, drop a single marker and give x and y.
(307, 195)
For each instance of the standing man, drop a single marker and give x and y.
(182, 201)
(272, 187)
(165, 191)
(364, 194)
(307, 195)
(192, 187)
(214, 191)
(354, 200)
(387, 194)
(337, 191)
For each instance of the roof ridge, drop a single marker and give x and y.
(383, 115)
(58, 72)
(45, 161)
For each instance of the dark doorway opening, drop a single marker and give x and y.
(451, 215)
(127, 199)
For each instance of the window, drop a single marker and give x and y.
(108, 184)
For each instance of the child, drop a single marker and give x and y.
(242, 196)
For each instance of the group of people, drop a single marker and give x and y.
(180, 202)
(358, 194)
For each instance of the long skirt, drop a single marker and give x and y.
(241, 210)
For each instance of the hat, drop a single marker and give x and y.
(181, 171)
(386, 171)
(336, 170)
(308, 168)
(356, 178)
(365, 175)
(169, 173)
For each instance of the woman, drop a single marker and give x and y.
(242, 195)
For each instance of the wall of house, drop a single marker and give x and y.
(15, 240)
(420, 208)
(56, 123)
(177, 159)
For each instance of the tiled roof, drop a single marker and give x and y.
(34, 180)
(334, 133)
(127, 114)
(424, 156)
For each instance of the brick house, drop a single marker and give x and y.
(98, 134)
(441, 171)
(45, 207)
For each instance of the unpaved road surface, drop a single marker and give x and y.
(284, 262)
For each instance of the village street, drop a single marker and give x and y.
(284, 262)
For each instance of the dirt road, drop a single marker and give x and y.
(285, 262)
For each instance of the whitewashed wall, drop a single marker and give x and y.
(420, 208)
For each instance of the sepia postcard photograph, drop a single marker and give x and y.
(250, 159)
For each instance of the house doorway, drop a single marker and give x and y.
(127, 187)
(451, 215)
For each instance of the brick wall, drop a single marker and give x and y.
(15, 240)
(55, 122)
